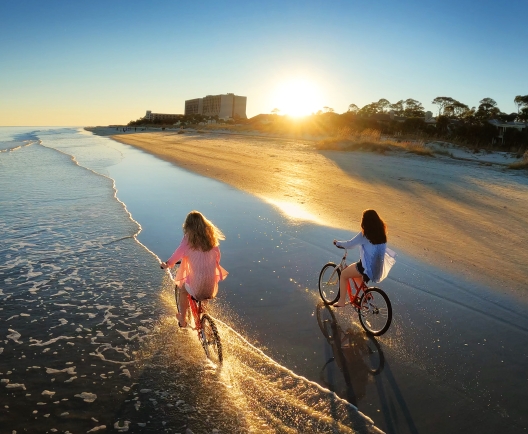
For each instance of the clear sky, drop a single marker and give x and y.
(103, 62)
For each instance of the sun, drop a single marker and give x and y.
(297, 97)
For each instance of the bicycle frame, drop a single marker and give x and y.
(197, 311)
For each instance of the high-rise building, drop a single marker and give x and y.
(224, 106)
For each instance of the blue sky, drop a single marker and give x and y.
(103, 62)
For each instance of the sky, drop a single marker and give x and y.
(107, 62)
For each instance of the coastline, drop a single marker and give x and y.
(436, 211)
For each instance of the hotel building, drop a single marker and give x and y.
(165, 117)
(224, 106)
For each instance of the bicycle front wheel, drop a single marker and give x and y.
(329, 283)
(375, 311)
(211, 340)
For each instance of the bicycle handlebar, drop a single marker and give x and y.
(177, 263)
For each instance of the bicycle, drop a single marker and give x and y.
(371, 303)
(204, 325)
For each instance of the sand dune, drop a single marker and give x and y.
(462, 217)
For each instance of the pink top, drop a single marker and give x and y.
(201, 271)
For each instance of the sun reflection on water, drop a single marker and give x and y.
(294, 211)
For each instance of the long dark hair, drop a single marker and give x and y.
(374, 228)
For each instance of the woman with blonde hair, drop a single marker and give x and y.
(200, 269)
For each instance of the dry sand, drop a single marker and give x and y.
(458, 216)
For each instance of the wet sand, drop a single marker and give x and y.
(469, 219)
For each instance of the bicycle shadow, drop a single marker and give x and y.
(360, 359)
(356, 354)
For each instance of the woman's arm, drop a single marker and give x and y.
(177, 255)
(354, 242)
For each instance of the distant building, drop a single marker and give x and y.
(502, 127)
(224, 106)
(165, 117)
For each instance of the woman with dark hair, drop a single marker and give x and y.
(373, 264)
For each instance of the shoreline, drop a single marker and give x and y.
(332, 188)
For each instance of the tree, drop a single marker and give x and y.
(456, 109)
(521, 101)
(442, 102)
(442, 123)
(369, 109)
(523, 115)
(413, 108)
(383, 104)
(487, 109)
(398, 107)
(505, 117)
(352, 108)
(275, 111)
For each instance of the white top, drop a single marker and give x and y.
(377, 259)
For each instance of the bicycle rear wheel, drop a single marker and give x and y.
(329, 283)
(211, 340)
(375, 311)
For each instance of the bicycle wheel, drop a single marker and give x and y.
(329, 283)
(375, 311)
(326, 320)
(211, 340)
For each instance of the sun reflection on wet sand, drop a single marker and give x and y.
(294, 211)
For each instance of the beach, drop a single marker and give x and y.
(88, 318)
(464, 217)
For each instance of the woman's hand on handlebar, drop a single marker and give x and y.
(339, 247)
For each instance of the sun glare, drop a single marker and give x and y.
(293, 211)
(297, 97)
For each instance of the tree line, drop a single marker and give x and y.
(448, 107)
(456, 121)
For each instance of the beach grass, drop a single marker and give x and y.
(371, 140)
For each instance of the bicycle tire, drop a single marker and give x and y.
(329, 283)
(211, 340)
(375, 311)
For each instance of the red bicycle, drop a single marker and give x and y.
(203, 324)
(372, 304)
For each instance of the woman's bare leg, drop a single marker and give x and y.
(349, 272)
(183, 305)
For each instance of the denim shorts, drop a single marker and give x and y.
(361, 270)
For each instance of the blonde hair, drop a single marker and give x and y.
(201, 233)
